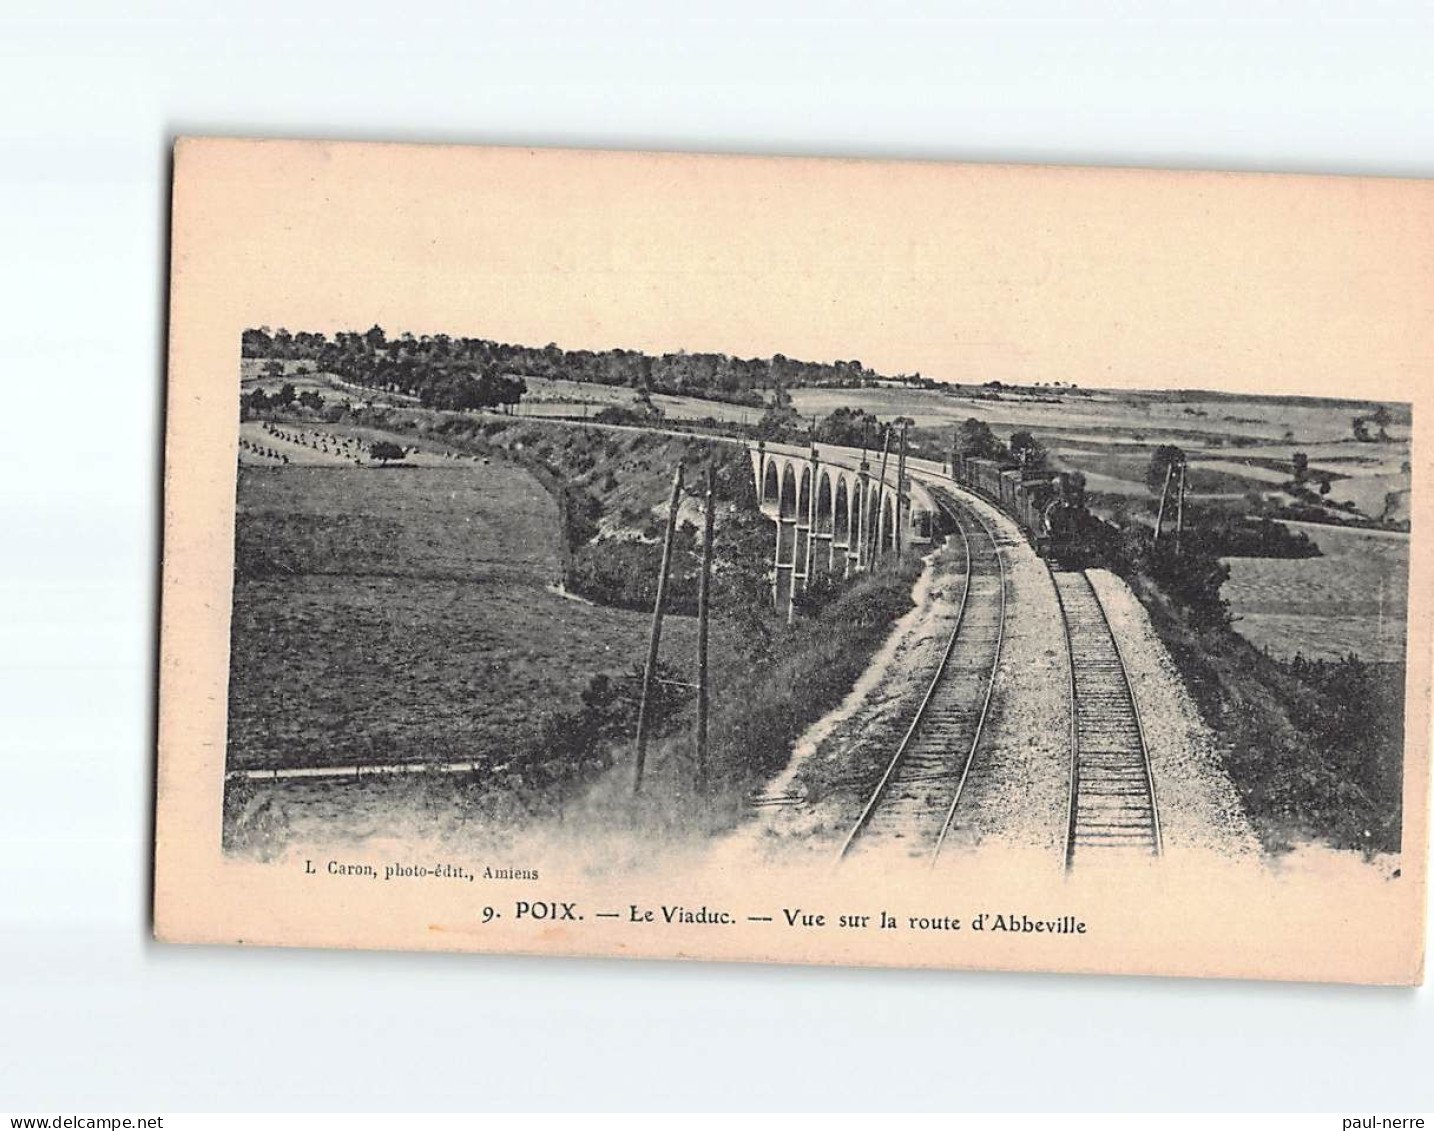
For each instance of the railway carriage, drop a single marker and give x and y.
(1035, 501)
(1010, 489)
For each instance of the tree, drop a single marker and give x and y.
(848, 427)
(1324, 485)
(1162, 460)
(285, 396)
(1029, 452)
(256, 343)
(252, 402)
(1361, 430)
(781, 423)
(974, 439)
(385, 452)
(508, 391)
(644, 402)
(1300, 463)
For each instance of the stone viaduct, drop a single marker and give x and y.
(836, 513)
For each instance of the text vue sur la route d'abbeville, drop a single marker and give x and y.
(548, 910)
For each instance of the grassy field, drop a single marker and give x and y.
(403, 614)
(1146, 418)
(1122, 472)
(1354, 599)
(549, 397)
(1236, 444)
(296, 373)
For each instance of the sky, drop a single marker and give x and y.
(1111, 278)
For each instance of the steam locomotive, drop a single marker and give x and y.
(1048, 506)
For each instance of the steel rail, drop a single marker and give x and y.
(879, 793)
(1073, 816)
(947, 823)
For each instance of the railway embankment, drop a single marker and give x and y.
(1200, 809)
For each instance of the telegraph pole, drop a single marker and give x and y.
(885, 451)
(900, 488)
(1180, 511)
(703, 596)
(810, 555)
(649, 670)
(1165, 490)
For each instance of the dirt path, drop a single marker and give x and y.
(809, 807)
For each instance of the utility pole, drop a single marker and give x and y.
(1165, 490)
(649, 670)
(1180, 511)
(900, 488)
(703, 595)
(810, 554)
(885, 451)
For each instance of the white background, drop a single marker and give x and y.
(94, 1016)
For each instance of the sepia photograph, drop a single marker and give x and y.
(796, 557)
(816, 556)
(767, 607)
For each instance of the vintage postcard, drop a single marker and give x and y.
(872, 563)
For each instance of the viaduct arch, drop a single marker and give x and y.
(834, 513)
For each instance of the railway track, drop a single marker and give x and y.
(935, 766)
(1113, 812)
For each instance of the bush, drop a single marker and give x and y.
(1192, 578)
(385, 452)
(1315, 748)
(623, 573)
(760, 714)
(618, 414)
(820, 592)
(573, 746)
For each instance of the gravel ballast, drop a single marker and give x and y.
(1200, 812)
(1025, 745)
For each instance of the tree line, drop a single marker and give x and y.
(405, 363)
(438, 379)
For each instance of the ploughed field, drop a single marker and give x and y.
(404, 614)
(1353, 599)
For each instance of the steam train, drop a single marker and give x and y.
(1048, 506)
